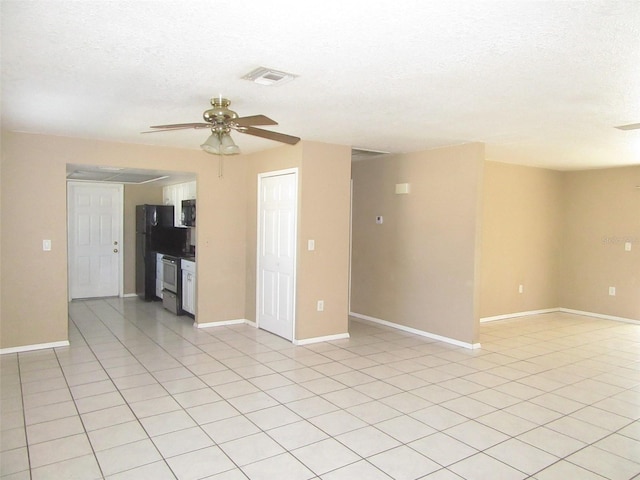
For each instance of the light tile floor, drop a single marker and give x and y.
(141, 394)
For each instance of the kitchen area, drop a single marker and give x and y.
(166, 250)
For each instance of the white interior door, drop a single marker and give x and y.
(276, 285)
(95, 239)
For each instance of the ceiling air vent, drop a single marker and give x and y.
(364, 154)
(269, 76)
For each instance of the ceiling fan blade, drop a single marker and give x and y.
(631, 126)
(178, 126)
(278, 137)
(166, 130)
(254, 120)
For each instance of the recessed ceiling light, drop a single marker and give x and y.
(269, 76)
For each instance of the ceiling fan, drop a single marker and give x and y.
(221, 120)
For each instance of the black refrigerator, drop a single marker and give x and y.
(151, 222)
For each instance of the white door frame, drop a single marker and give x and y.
(350, 241)
(70, 209)
(278, 173)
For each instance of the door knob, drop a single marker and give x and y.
(115, 250)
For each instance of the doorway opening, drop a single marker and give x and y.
(137, 186)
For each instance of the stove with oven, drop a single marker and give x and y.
(171, 284)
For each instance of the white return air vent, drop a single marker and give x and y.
(269, 76)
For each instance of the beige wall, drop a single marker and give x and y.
(602, 212)
(420, 267)
(323, 274)
(521, 238)
(134, 195)
(562, 236)
(33, 291)
(323, 215)
(33, 288)
(221, 229)
(1, 203)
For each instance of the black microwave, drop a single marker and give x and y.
(189, 213)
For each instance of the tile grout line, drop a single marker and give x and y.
(24, 413)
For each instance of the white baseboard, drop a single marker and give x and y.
(422, 333)
(599, 315)
(560, 310)
(38, 346)
(327, 338)
(519, 314)
(129, 295)
(240, 321)
(223, 323)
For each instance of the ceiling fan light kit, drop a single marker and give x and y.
(220, 144)
(228, 146)
(212, 144)
(221, 120)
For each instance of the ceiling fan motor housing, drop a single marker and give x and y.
(220, 113)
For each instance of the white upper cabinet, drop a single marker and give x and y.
(174, 194)
(189, 191)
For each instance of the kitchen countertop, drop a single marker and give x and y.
(191, 258)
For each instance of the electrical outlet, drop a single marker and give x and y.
(612, 291)
(520, 288)
(321, 305)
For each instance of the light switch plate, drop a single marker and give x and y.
(627, 246)
(46, 245)
(402, 188)
(311, 245)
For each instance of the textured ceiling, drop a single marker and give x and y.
(541, 83)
